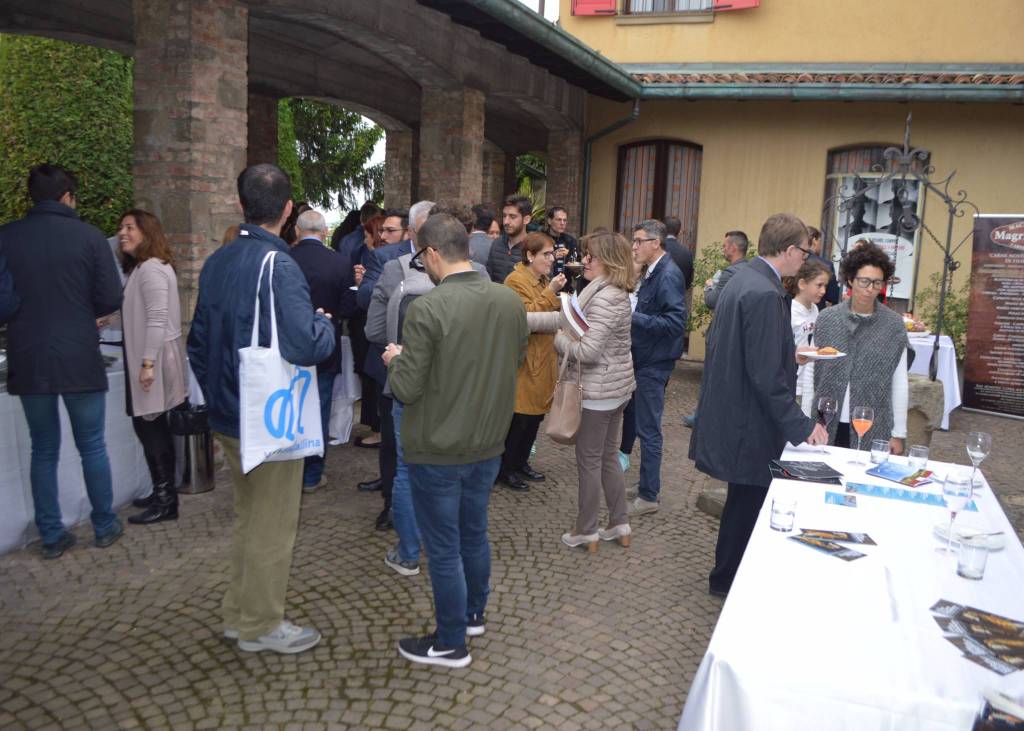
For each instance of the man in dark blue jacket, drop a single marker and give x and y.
(324, 270)
(66, 280)
(659, 324)
(747, 406)
(9, 301)
(267, 497)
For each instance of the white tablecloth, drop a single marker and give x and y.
(128, 467)
(806, 640)
(946, 371)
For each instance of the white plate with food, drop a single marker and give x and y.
(912, 334)
(823, 354)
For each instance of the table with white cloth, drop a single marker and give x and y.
(127, 464)
(946, 368)
(807, 640)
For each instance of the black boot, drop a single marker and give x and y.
(165, 497)
(145, 502)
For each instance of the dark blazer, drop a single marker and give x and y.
(350, 247)
(375, 262)
(659, 321)
(832, 290)
(747, 406)
(225, 310)
(9, 301)
(324, 269)
(502, 261)
(682, 257)
(65, 278)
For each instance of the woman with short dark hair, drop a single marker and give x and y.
(154, 354)
(874, 371)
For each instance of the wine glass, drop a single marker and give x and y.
(861, 418)
(979, 444)
(827, 409)
(956, 493)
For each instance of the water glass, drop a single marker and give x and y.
(970, 564)
(918, 457)
(879, 451)
(783, 514)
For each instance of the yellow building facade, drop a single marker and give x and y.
(751, 112)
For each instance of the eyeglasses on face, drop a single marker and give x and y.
(548, 254)
(869, 283)
(806, 252)
(417, 262)
(637, 242)
(389, 230)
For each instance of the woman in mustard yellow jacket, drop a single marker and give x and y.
(535, 383)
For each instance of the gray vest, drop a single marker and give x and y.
(874, 345)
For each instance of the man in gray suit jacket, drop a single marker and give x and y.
(479, 241)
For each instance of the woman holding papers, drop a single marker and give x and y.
(535, 382)
(602, 355)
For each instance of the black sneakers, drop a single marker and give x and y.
(56, 550)
(429, 651)
(475, 625)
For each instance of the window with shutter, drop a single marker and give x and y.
(593, 7)
(656, 179)
(723, 5)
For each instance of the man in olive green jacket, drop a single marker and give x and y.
(455, 373)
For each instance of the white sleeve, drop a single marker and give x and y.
(900, 398)
(807, 389)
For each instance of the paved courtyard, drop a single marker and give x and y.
(130, 637)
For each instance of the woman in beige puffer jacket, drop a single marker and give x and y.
(605, 366)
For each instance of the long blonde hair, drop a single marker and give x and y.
(617, 256)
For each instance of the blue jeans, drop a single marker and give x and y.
(313, 467)
(87, 412)
(451, 503)
(650, 406)
(401, 498)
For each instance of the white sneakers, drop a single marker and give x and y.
(286, 639)
(620, 533)
(639, 506)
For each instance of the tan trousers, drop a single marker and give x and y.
(597, 461)
(266, 520)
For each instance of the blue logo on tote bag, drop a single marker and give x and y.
(280, 415)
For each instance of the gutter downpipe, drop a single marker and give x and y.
(587, 145)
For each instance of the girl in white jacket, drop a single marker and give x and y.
(807, 288)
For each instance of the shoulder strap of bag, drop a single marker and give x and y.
(255, 340)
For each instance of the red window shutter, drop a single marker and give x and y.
(721, 6)
(593, 7)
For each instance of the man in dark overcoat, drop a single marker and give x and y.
(747, 406)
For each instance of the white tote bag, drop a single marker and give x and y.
(279, 404)
(346, 393)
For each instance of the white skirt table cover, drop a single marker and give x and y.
(131, 477)
(807, 640)
(946, 371)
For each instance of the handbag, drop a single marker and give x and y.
(279, 402)
(563, 420)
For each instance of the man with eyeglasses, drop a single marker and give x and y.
(747, 406)
(659, 324)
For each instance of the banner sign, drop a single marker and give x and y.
(994, 366)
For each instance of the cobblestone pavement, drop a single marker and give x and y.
(129, 637)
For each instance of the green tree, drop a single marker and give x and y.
(333, 148)
(71, 105)
(288, 149)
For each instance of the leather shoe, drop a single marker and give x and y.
(360, 443)
(528, 473)
(384, 521)
(513, 482)
(144, 502)
(370, 485)
(56, 550)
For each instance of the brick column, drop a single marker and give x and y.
(451, 145)
(494, 176)
(564, 158)
(262, 124)
(191, 92)
(398, 165)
